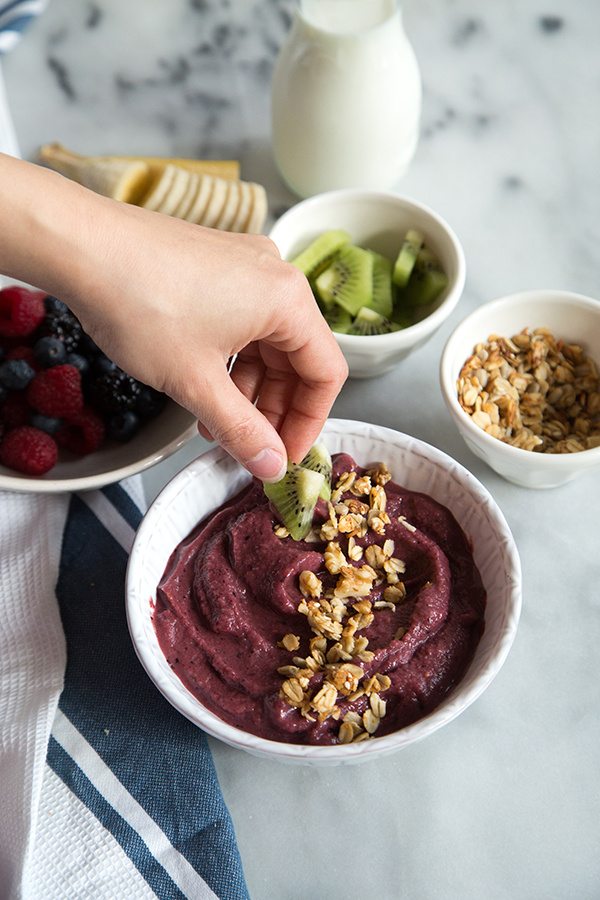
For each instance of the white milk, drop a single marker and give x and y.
(346, 97)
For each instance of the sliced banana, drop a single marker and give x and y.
(190, 195)
(200, 202)
(161, 189)
(231, 207)
(258, 211)
(177, 192)
(219, 168)
(243, 209)
(216, 203)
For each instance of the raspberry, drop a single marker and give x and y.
(82, 434)
(14, 410)
(28, 450)
(21, 311)
(56, 392)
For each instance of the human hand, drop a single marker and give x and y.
(172, 303)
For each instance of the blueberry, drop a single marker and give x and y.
(54, 305)
(103, 365)
(79, 361)
(49, 351)
(123, 426)
(15, 374)
(45, 423)
(149, 402)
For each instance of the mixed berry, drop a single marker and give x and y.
(58, 390)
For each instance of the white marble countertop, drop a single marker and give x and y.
(503, 803)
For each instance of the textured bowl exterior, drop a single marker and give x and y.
(570, 316)
(378, 221)
(213, 477)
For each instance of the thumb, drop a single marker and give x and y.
(239, 427)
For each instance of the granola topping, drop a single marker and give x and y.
(533, 391)
(336, 639)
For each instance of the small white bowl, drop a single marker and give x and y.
(214, 477)
(574, 318)
(377, 221)
(158, 439)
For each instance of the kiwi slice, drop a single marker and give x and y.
(382, 301)
(318, 459)
(407, 257)
(320, 253)
(369, 322)
(348, 281)
(338, 319)
(427, 281)
(295, 497)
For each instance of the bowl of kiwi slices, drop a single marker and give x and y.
(385, 271)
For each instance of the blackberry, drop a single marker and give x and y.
(87, 346)
(64, 326)
(114, 392)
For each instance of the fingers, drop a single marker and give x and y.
(237, 425)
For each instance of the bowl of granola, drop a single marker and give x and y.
(387, 621)
(520, 379)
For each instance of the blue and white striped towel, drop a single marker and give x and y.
(128, 804)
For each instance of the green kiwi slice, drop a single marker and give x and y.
(338, 319)
(427, 281)
(295, 498)
(381, 300)
(319, 254)
(368, 322)
(407, 257)
(318, 459)
(348, 281)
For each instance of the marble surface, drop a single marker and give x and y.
(503, 803)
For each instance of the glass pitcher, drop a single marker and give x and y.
(346, 97)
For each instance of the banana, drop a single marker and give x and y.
(200, 201)
(189, 196)
(216, 203)
(160, 191)
(221, 168)
(119, 179)
(177, 191)
(258, 212)
(230, 209)
(243, 210)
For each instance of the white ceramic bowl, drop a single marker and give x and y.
(159, 438)
(377, 221)
(208, 481)
(570, 316)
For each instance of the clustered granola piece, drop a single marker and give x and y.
(533, 391)
(336, 616)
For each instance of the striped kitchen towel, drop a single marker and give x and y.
(130, 804)
(15, 16)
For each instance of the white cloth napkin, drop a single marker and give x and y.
(32, 662)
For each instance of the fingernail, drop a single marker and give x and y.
(268, 465)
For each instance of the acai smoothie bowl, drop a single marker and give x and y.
(379, 621)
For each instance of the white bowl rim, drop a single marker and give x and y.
(406, 336)
(33, 485)
(557, 461)
(216, 727)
